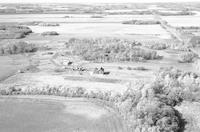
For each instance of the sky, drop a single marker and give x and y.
(93, 1)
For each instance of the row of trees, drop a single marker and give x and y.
(141, 22)
(17, 48)
(178, 13)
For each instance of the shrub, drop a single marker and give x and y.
(152, 114)
(157, 46)
(59, 69)
(50, 33)
(14, 31)
(140, 68)
(17, 47)
(169, 95)
(187, 57)
(120, 68)
(97, 16)
(175, 85)
(129, 68)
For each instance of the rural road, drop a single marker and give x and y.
(168, 28)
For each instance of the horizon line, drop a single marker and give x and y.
(94, 3)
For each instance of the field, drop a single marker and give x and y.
(11, 64)
(100, 69)
(68, 115)
(183, 20)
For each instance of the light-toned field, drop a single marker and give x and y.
(191, 116)
(73, 18)
(56, 114)
(105, 29)
(182, 20)
(9, 65)
(84, 24)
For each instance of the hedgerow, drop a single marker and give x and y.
(17, 48)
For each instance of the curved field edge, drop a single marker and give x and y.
(94, 110)
(140, 113)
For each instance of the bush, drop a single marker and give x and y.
(17, 48)
(129, 68)
(176, 85)
(167, 94)
(187, 57)
(50, 33)
(59, 70)
(157, 46)
(152, 114)
(140, 68)
(97, 16)
(14, 31)
(120, 68)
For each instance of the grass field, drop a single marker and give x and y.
(9, 65)
(182, 20)
(56, 114)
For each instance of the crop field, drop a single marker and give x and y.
(10, 65)
(107, 28)
(69, 115)
(99, 68)
(71, 18)
(183, 20)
